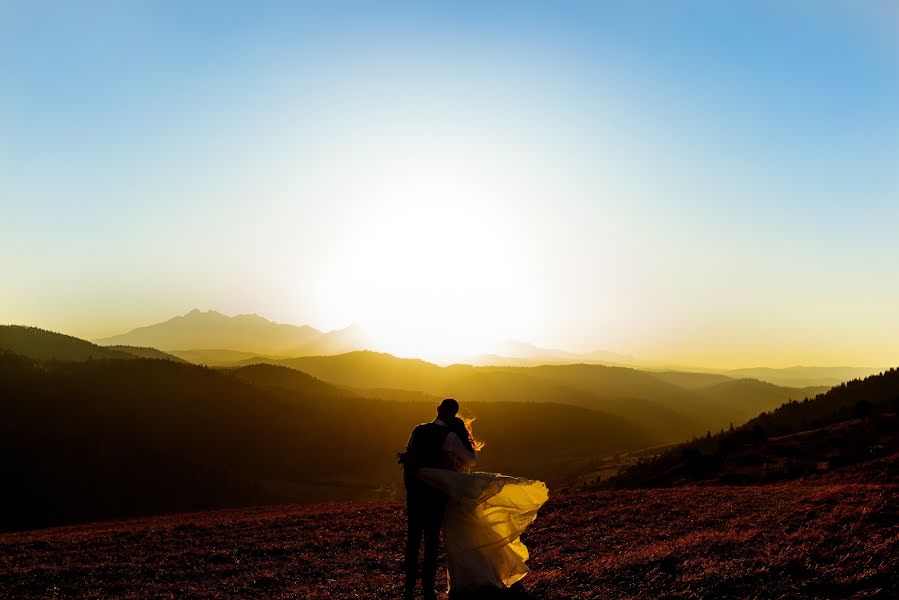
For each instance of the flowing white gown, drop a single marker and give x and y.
(485, 516)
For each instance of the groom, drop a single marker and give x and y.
(425, 505)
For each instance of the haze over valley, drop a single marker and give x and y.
(246, 248)
(209, 380)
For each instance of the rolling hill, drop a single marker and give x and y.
(97, 437)
(670, 406)
(245, 434)
(746, 398)
(146, 352)
(366, 369)
(690, 380)
(284, 378)
(44, 345)
(804, 376)
(224, 358)
(848, 424)
(668, 411)
(106, 438)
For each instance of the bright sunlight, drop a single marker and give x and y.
(438, 275)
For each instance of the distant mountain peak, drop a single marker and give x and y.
(212, 329)
(198, 316)
(522, 352)
(255, 317)
(205, 313)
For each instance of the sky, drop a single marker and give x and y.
(693, 183)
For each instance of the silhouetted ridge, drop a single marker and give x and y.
(212, 329)
(44, 345)
(667, 411)
(146, 352)
(267, 375)
(800, 376)
(111, 438)
(851, 423)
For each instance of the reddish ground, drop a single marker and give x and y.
(820, 540)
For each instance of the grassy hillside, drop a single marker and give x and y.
(834, 540)
(365, 369)
(284, 378)
(743, 399)
(847, 424)
(227, 358)
(145, 352)
(105, 438)
(667, 410)
(690, 381)
(96, 436)
(804, 376)
(41, 344)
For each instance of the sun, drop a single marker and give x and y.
(439, 280)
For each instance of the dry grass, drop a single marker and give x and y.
(820, 540)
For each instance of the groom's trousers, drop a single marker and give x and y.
(425, 507)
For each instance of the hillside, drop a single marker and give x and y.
(41, 344)
(366, 369)
(106, 438)
(670, 406)
(146, 352)
(611, 410)
(804, 376)
(747, 398)
(284, 378)
(690, 380)
(224, 358)
(667, 410)
(846, 425)
(778, 541)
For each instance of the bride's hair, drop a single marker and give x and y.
(461, 426)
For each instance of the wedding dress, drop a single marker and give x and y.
(485, 516)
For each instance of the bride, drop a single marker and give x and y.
(484, 517)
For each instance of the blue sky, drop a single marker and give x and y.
(703, 183)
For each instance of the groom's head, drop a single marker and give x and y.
(447, 409)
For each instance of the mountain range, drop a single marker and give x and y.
(199, 330)
(667, 406)
(801, 376)
(94, 432)
(211, 337)
(91, 433)
(851, 423)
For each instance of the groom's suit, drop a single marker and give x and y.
(425, 505)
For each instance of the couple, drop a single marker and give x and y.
(482, 514)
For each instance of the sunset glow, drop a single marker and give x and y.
(435, 275)
(480, 299)
(462, 176)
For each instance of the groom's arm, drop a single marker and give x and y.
(453, 444)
